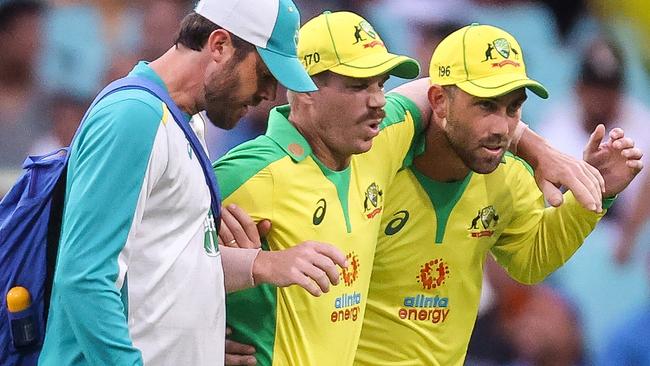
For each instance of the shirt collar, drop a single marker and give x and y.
(285, 134)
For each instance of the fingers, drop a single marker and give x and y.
(583, 195)
(593, 184)
(238, 353)
(327, 266)
(238, 229)
(632, 154)
(235, 227)
(551, 193)
(595, 173)
(616, 133)
(333, 253)
(623, 143)
(239, 348)
(225, 236)
(319, 277)
(234, 360)
(320, 266)
(595, 139)
(246, 231)
(636, 165)
(306, 282)
(263, 228)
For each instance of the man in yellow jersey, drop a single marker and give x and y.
(466, 196)
(320, 173)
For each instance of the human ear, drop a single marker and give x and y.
(220, 45)
(438, 100)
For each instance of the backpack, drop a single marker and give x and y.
(30, 228)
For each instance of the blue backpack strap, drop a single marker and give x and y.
(134, 82)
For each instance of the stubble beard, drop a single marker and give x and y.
(220, 105)
(470, 156)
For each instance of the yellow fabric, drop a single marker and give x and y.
(290, 192)
(346, 44)
(423, 296)
(482, 60)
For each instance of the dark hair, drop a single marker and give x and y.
(195, 30)
(450, 90)
(13, 9)
(602, 65)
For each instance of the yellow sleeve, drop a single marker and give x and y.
(539, 240)
(245, 177)
(255, 196)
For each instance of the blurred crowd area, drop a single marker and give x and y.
(592, 55)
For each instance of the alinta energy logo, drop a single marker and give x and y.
(433, 274)
(428, 307)
(350, 274)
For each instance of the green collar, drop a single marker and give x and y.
(286, 135)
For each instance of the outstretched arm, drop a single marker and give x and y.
(539, 240)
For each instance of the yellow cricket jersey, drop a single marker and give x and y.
(277, 177)
(426, 280)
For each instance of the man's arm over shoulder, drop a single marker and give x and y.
(107, 173)
(417, 92)
(402, 133)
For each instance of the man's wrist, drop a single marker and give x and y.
(260, 268)
(516, 136)
(531, 147)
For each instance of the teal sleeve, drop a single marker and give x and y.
(107, 167)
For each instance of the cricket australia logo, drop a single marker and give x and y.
(488, 219)
(503, 49)
(367, 29)
(210, 243)
(372, 205)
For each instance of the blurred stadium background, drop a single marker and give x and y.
(593, 56)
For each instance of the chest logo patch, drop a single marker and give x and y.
(210, 242)
(484, 223)
(319, 214)
(433, 274)
(373, 203)
(397, 223)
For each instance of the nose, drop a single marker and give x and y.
(377, 99)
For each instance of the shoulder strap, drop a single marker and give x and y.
(134, 82)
